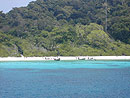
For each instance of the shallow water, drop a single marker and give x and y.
(65, 64)
(65, 79)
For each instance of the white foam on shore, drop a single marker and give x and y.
(65, 58)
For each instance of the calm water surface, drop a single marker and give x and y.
(65, 79)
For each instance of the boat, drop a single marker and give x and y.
(81, 58)
(57, 59)
(92, 59)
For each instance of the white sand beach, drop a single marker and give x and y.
(65, 58)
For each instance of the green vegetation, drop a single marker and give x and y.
(66, 28)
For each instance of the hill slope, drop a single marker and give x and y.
(66, 27)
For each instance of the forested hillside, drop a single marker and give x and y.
(66, 27)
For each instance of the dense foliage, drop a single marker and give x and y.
(66, 27)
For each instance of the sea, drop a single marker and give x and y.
(65, 79)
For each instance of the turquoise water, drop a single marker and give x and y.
(66, 64)
(65, 79)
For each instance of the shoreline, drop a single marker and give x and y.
(52, 58)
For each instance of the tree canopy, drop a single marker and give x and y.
(66, 27)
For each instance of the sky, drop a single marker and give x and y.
(7, 5)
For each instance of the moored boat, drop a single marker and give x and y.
(81, 58)
(57, 59)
